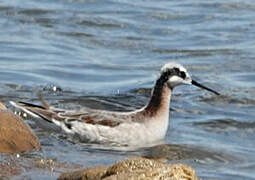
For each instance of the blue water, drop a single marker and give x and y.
(107, 55)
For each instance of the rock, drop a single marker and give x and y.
(15, 135)
(95, 173)
(135, 169)
(23, 167)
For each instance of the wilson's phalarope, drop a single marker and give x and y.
(146, 125)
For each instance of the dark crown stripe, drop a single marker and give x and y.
(171, 72)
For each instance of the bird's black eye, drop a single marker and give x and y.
(176, 70)
(183, 74)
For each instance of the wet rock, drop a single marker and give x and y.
(95, 173)
(15, 135)
(32, 167)
(135, 168)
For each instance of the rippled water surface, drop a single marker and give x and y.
(106, 55)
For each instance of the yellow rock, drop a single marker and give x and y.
(15, 135)
(134, 169)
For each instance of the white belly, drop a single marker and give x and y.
(124, 134)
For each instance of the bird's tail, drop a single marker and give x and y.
(44, 111)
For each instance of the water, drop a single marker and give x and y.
(107, 55)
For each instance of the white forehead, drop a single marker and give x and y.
(172, 65)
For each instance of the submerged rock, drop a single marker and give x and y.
(15, 135)
(32, 166)
(136, 169)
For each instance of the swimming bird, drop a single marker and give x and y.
(146, 125)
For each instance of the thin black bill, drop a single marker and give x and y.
(195, 83)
